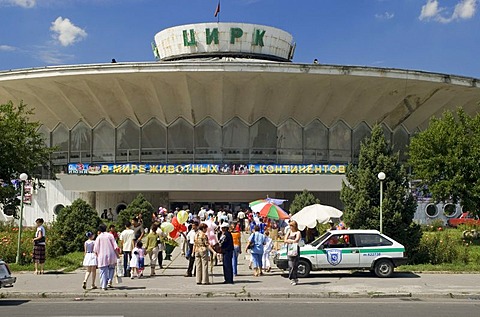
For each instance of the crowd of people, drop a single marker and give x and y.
(212, 238)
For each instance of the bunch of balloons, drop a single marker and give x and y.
(177, 225)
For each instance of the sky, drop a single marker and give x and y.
(440, 36)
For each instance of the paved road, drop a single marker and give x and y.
(229, 307)
(171, 283)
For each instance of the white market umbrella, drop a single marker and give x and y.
(311, 215)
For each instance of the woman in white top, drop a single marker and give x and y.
(291, 239)
(39, 247)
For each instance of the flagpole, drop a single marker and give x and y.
(217, 12)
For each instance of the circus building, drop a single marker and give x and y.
(220, 118)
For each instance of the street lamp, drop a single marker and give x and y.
(23, 178)
(381, 177)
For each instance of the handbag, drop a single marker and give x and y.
(292, 249)
(251, 243)
(41, 240)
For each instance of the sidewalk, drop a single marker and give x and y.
(170, 282)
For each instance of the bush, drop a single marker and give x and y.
(9, 240)
(68, 231)
(138, 206)
(434, 225)
(442, 247)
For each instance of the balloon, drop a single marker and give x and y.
(167, 227)
(174, 234)
(175, 222)
(182, 216)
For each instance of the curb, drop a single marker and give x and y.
(240, 295)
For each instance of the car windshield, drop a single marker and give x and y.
(320, 239)
(4, 271)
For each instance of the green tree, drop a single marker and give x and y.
(445, 158)
(22, 148)
(361, 193)
(70, 227)
(138, 206)
(302, 200)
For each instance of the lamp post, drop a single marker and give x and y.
(23, 178)
(381, 177)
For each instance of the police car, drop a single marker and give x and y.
(348, 250)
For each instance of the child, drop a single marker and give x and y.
(138, 260)
(90, 260)
(266, 252)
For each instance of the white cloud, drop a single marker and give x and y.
(429, 10)
(7, 48)
(385, 16)
(52, 57)
(464, 9)
(66, 32)
(19, 3)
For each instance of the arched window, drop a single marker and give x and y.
(208, 141)
(103, 142)
(45, 133)
(290, 142)
(263, 142)
(315, 136)
(60, 141)
(400, 142)
(154, 142)
(361, 131)
(340, 142)
(235, 141)
(180, 141)
(387, 132)
(128, 142)
(80, 143)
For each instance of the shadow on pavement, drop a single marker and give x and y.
(244, 281)
(125, 288)
(302, 282)
(357, 274)
(14, 302)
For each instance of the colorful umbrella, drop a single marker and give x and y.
(267, 209)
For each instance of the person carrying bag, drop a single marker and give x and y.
(292, 240)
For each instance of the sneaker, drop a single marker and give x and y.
(84, 285)
(294, 283)
(94, 287)
(132, 277)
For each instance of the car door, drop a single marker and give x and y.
(371, 246)
(339, 251)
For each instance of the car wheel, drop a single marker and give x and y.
(303, 268)
(383, 268)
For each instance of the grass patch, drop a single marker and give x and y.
(444, 267)
(65, 263)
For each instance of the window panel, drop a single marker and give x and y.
(80, 143)
(103, 142)
(128, 142)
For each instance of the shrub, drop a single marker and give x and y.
(9, 240)
(68, 231)
(138, 206)
(442, 247)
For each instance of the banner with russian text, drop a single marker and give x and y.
(224, 169)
